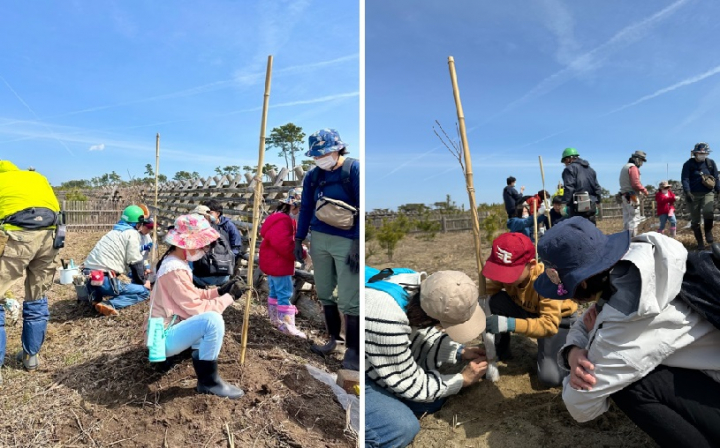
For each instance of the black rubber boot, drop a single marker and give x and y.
(708, 231)
(351, 360)
(502, 346)
(333, 324)
(698, 236)
(209, 382)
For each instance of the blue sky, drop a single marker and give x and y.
(607, 78)
(85, 86)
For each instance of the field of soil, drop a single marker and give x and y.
(95, 386)
(515, 411)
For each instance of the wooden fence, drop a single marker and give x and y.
(92, 215)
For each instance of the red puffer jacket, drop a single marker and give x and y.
(276, 249)
(664, 203)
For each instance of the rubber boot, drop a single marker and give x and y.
(502, 346)
(351, 360)
(333, 325)
(209, 381)
(698, 236)
(35, 319)
(708, 231)
(273, 312)
(673, 232)
(286, 315)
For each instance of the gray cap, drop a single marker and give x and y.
(200, 210)
(640, 155)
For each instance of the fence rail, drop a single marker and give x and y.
(91, 216)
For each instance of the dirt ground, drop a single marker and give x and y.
(515, 411)
(95, 386)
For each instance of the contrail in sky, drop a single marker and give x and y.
(36, 116)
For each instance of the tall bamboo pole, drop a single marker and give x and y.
(157, 172)
(547, 208)
(258, 196)
(468, 176)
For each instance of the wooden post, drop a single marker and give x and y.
(468, 176)
(157, 167)
(547, 208)
(258, 195)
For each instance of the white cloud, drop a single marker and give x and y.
(99, 147)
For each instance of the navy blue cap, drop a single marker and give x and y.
(575, 250)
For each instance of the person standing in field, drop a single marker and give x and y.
(700, 182)
(581, 191)
(665, 199)
(511, 196)
(28, 219)
(631, 189)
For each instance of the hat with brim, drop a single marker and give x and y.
(575, 250)
(191, 231)
(203, 210)
(324, 142)
(451, 297)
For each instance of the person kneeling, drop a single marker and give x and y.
(517, 308)
(640, 344)
(192, 316)
(404, 349)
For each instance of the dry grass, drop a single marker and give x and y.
(96, 388)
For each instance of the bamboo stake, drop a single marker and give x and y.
(468, 176)
(537, 259)
(157, 168)
(547, 208)
(256, 215)
(488, 338)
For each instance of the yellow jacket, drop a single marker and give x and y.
(20, 189)
(549, 311)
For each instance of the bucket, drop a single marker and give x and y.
(66, 275)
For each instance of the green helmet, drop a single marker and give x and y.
(132, 214)
(568, 153)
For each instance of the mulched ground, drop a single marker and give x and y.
(95, 386)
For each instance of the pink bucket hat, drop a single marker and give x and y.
(191, 232)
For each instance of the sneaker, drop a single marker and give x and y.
(106, 310)
(30, 362)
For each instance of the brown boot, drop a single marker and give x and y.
(106, 310)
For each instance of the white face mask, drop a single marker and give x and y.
(700, 157)
(197, 255)
(326, 163)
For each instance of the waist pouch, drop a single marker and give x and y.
(97, 278)
(335, 212)
(582, 202)
(708, 180)
(33, 218)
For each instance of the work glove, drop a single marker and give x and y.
(298, 251)
(688, 197)
(236, 287)
(353, 257)
(499, 324)
(147, 246)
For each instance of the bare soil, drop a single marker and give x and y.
(95, 386)
(515, 411)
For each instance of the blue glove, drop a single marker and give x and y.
(499, 324)
(148, 246)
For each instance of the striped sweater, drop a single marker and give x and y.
(405, 360)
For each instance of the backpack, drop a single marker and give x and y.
(345, 179)
(400, 283)
(218, 262)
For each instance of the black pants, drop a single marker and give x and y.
(676, 407)
(549, 373)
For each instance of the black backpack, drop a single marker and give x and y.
(219, 261)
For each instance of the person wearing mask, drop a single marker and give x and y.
(640, 344)
(631, 189)
(28, 227)
(511, 196)
(558, 211)
(581, 189)
(234, 237)
(117, 251)
(218, 264)
(192, 317)
(335, 250)
(405, 348)
(700, 181)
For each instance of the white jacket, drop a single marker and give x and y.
(634, 333)
(115, 251)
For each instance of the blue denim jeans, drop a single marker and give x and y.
(128, 293)
(391, 421)
(203, 332)
(35, 318)
(281, 288)
(664, 218)
(211, 281)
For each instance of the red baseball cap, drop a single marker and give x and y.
(510, 253)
